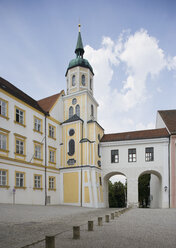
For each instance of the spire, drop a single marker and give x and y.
(79, 46)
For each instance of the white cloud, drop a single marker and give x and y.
(143, 59)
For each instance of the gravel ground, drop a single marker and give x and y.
(154, 228)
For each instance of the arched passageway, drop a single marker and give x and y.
(115, 190)
(150, 189)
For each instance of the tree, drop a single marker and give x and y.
(117, 194)
(144, 190)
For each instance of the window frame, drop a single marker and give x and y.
(53, 183)
(5, 133)
(38, 144)
(69, 148)
(83, 76)
(20, 138)
(77, 109)
(73, 82)
(24, 116)
(7, 178)
(41, 125)
(149, 158)
(69, 112)
(52, 149)
(134, 158)
(54, 131)
(41, 182)
(6, 116)
(24, 180)
(113, 156)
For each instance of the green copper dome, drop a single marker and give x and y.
(79, 60)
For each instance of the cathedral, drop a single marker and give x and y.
(54, 151)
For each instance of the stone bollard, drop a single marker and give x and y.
(49, 242)
(100, 221)
(112, 216)
(90, 225)
(117, 214)
(107, 218)
(76, 232)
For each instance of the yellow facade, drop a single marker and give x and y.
(71, 187)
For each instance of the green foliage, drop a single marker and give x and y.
(144, 190)
(117, 194)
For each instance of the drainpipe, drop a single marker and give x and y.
(169, 167)
(45, 164)
(81, 164)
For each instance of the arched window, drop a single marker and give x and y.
(77, 110)
(90, 84)
(83, 80)
(92, 110)
(73, 80)
(71, 147)
(70, 111)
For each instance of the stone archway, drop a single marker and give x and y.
(154, 188)
(106, 189)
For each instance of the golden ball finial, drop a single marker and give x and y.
(79, 25)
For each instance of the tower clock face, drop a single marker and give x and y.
(74, 101)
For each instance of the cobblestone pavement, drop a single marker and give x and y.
(140, 228)
(21, 225)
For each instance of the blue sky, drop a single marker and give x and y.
(130, 44)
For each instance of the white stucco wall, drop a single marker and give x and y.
(132, 170)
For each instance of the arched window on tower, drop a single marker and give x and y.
(77, 110)
(90, 84)
(70, 112)
(73, 80)
(71, 147)
(92, 110)
(83, 80)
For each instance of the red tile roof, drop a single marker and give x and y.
(136, 135)
(169, 118)
(47, 103)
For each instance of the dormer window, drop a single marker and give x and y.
(70, 112)
(90, 84)
(83, 80)
(73, 80)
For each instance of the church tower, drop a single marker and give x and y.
(80, 169)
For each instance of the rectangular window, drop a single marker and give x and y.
(37, 181)
(51, 183)
(114, 156)
(20, 179)
(149, 154)
(52, 156)
(19, 116)
(51, 131)
(38, 154)
(19, 146)
(3, 178)
(37, 125)
(132, 155)
(3, 141)
(3, 107)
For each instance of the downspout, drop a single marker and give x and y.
(169, 168)
(45, 164)
(81, 164)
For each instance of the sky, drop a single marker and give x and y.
(129, 43)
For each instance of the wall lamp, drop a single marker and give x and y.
(165, 188)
